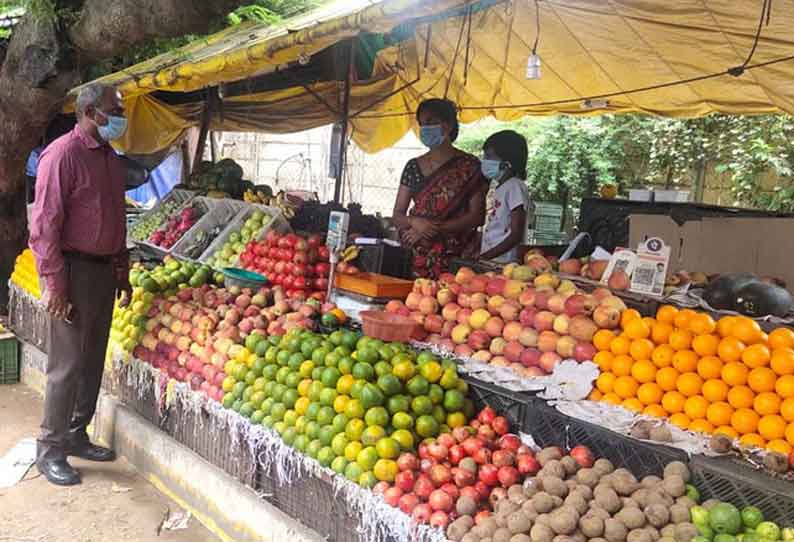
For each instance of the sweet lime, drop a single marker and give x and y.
(353, 472)
(422, 405)
(354, 409)
(338, 465)
(398, 403)
(339, 423)
(339, 443)
(372, 435)
(314, 448)
(355, 429)
(389, 384)
(325, 416)
(385, 470)
(404, 438)
(431, 370)
(453, 401)
(376, 416)
(418, 385)
(404, 370)
(383, 368)
(328, 396)
(345, 384)
(362, 371)
(402, 420)
(427, 426)
(387, 448)
(352, 449)
(367, 457)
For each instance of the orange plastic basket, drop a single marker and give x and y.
(387, 326)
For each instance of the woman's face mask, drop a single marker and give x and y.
(432, 135)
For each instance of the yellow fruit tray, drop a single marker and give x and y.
(374, 285)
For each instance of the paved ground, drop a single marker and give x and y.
(113, 503)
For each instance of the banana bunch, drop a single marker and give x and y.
(256, 195)
(350, 253)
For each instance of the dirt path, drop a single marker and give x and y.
(112, 504)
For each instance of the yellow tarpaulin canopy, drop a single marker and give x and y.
(587, 48)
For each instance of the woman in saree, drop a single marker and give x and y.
(447, 189)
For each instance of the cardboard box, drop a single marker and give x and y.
(764, 246)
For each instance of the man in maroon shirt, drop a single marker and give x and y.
(78, 235)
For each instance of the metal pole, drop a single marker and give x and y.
(345, 117)
(206, 117)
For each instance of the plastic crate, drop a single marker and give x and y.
(220, 214)
(728, 480)
(183, 197)
(206, 205)
(511, 405)
(9, 359)
(549, 427)
(277, 222)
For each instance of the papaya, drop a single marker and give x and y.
(721, 292)
(761, 299)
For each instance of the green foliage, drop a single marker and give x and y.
(571, 157)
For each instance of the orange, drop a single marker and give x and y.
(604, 360)
(633, 404)
(724, 325)
(727, 430)
(745, 420)
(621, 365)
(629, 315)
(710, 367)
(783, 361)
(673, 402)
(790, 433)
(781, 337)
(655, 410)
(649, 321)
(695, 407)
(637, 329)
(701, 426)
(603, 338)
(620, 345)
(756, 355)
(735, 374)
(666, 314)
(680, 339)
(785, 386)
(686, 361)
(650, 393)
(753, 440)
(681, 420)
(667, 378)
(705, 345)
(767, 403)
(715, 390)
(660, 332)
(780, 446)
(741, 397)
(641, 349)
(761, 379)
(787, 409)
(595, 395)
(746, 330)
(772, 426)
(611, 398)
(643, 371)
(625, 387)
(689, 384)
(719, 413)
(605, 382)
(702, 324)
(683, 318)
(730, 349)
(662, 355)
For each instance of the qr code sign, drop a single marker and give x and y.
(644, 276)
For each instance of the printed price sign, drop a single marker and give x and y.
(650, 268)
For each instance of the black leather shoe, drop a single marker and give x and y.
(59, 472)
(90, 452)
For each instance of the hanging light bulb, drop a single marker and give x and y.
(533, 66)
(533, 62)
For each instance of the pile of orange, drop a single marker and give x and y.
(714, 377)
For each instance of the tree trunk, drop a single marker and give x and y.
(46, 58)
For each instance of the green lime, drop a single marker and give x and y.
(327, 396)
(355, 389)
(436, 394)
(377, 416)
(256, 417)
(247, 410)
(319, 354)
(453, 401)
(389, 384)
(354, 409)
(339, 443)
(317, 373)
(402, 420)
(353, 472)
(257, 397)
(439, 414)
(372, 435)
(339, 423)
(293, 379)
(312, 430)
(336, 337)
(398, 403)
(368, 355)
(418, 385)
(325, 456)
(371, 396)
(271, 354)
(267, 405)
(247, 393)
(269, 373)
(261, 350)
(295, 361)
(338, 465)
(367, 480)
(422, 405)
(330, 377)
(278, 391)
(267, 421)
(367, 457)
(355, 429)
(259, 364)
(312, 410)
(314, 448)
(281, 375)
(325, 416)
(326, 435)
(289, 398)
(283, 357)
(362, 371)
(383, 368)
(277, 412)
(427, 426)
(289, 435)
(300, 443)
(228, 400)
(315, 389)
(349, 339)
(332, 359)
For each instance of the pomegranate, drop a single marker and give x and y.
(440, 474)
(407, 461)
(446, 439)
(456, 453)
(527, 464)
(423, 487)
(503, 458)
(464, 478)
(451, 489)
(486, 432)
(422, 513)
(489, 474)
(482, 456)
(462, 433)
(405, 480)
(392, 496)
(408, 502)
(439, 519)
(483, 490)
(440, 500)
(471, 445)
(509, 441)
(423, 452)
(437, 451)
(508, 476)
(469, 464)
(583, 456)
(380, 488)
(471, 492)
(500, 425)
(486, 415)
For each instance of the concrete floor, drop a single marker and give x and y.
(113, 502)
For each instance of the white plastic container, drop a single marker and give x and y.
(640, 195)
(671, 196)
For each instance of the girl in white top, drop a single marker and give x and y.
(510, 208)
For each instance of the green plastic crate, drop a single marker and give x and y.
(9, 359)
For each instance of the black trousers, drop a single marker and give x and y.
(77, 357)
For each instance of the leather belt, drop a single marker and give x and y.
(93, 258)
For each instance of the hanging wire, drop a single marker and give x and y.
(468, 48)
(766, 12)
(455, 57)
(537, 28)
